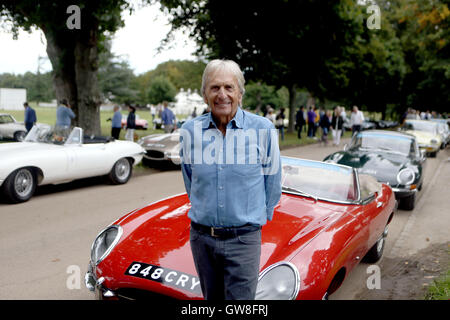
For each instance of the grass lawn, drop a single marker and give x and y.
(440, 288)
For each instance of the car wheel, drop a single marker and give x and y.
(121, 171)
(375, 253)
(20, 135)
(20, 185)
(408, 203)
(433, 154)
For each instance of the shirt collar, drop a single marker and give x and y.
(236, 122)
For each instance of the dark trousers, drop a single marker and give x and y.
(228, 268)
(115, 133)
(28, 126)
(356, 128)
(299, 132)
(310, 130)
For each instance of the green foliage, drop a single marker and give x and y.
(39, 86)
(422, 28)
(258, 95)
(115, 77)
(439, 288)
(161, 89)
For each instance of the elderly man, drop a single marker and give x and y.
(233, 189)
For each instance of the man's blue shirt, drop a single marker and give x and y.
(167, 116)
(64, 116)
(117, 120)
(227, 184)
(30, 115)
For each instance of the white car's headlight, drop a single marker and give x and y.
(104, 243)
(406, 176)
(434, 141)
(280, 281)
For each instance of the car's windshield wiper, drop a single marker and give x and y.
(300, 192)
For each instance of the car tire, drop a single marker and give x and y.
(20, 136)
(433, 154)
(121, 171)
(408, 203)
(20, 185)
(376, 252)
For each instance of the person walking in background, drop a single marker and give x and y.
(116, 124)
(300, 121)
(325, 123)
(279, 122)
(316, 122)
(311, 119)
(131, 124)
(270, 115)
(168, 118)
(356, 120)
(337, 123)
(30, 117)
(64, 116)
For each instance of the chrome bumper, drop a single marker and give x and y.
(95, 285)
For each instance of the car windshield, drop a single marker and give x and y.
(318, 180)
(426, 126)
(6, 119)
(48, 134)
(386, 142)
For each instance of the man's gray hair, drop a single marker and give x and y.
(228, 65)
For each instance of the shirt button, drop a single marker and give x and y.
(220, 188)
(221, 205)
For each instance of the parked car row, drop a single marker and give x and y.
(330, 216)
(332, 213)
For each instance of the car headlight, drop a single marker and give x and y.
(405, 176)
(104, 243)
(280, 281)
(433, 141)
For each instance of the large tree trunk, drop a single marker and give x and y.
(292, 99)
(75, 62)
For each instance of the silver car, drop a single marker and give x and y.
(10, 128)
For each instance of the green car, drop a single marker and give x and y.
(391, 157)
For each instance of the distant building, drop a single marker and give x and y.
(12, 99)
(186, 101)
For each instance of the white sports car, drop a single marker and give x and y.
(10, 128)
(49, 156)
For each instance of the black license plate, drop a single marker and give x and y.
(169, 277)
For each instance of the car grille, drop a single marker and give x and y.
(155, 154)
(138, 294)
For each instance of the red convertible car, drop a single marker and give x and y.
(328, 219)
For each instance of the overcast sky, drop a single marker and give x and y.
(137, 42)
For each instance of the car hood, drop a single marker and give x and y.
(20, 148)
(160, 141)
(384, 166)
(424, 137)
(159, 235)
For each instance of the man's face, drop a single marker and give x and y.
(222, 94)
